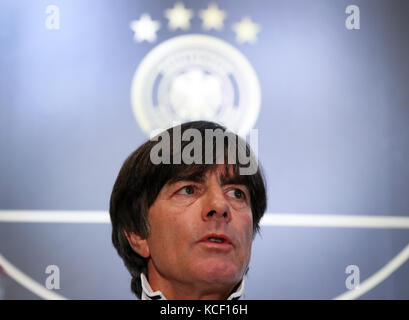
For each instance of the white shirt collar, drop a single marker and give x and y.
(149, 294)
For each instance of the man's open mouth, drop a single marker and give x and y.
(217, 239)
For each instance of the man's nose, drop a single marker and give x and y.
(216, 205)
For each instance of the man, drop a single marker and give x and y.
(184, 228)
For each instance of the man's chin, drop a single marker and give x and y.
(221, 273)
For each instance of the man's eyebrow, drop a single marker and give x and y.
(233, 179)
(201, 177)
(195, 177)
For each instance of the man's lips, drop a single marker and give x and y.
(217, 240)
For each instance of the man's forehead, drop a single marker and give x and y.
(225, 174)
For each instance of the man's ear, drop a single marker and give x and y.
(138, 244)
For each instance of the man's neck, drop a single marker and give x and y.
(174, 290)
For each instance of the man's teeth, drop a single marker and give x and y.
(216, 240)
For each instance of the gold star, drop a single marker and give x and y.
(179, 16)
(246, 31)
(212, 17)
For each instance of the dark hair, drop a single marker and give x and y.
(139, 182)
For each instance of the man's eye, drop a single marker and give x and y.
(187, 190)
(237, 193)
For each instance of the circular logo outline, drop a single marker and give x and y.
(144, 78)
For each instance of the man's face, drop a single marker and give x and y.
(201, 232)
